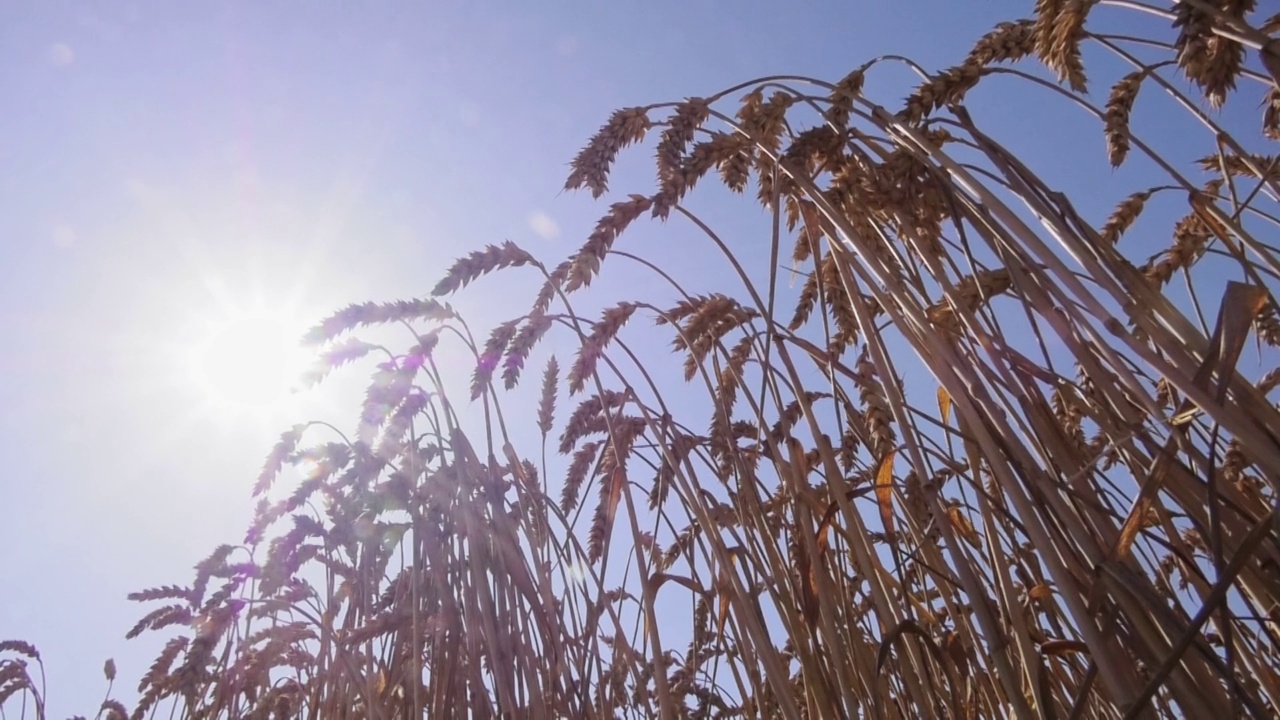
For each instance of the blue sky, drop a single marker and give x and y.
(163, 164)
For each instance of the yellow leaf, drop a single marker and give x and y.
(884, 491)
(944, 404)
(1062, 647)
(960, 523)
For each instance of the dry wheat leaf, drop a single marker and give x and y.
(884, 491)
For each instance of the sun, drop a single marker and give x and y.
(245, 363)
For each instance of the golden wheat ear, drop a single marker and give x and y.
(369, 314)
(481, 262)
(590, 168)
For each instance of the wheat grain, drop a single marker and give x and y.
(165, 592)
(1267, 325)
(481, 262)
(1047, 14)
(969, 294)
(839, 305)
(763, 122)
(159, 618)
(1190, 235)
(367, 314)
(809, 239)
(791, 414)
(875, 407)
(716, 152)
(731, 375)
(1209, 60)
(707, 320)
(13, 679)
(114, 710)
(334, 357)
(521, 346)
(843, 95)
(946, 88)
(735, 168)
(586, 263)
(623, 431)
(1260, 167)
(804, 306)
(494, 347)
(602, 521)
(594, 345)
(815, 148)
(1065, 34)
(591, 409)
(853, 434)
(547, 401)
(1123, 217)
(206, 569)
(682, 127)
(397, 427)
(159, 670)
(590, 168)
(686, 308)
(678, 448)
(1269, 381)
(1008, 42)
(1116, 117)
(20, 647)
(1271, 114)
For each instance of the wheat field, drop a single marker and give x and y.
(945, 450)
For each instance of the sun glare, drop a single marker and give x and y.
(246, 364)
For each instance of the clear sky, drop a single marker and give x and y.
(166, 168)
